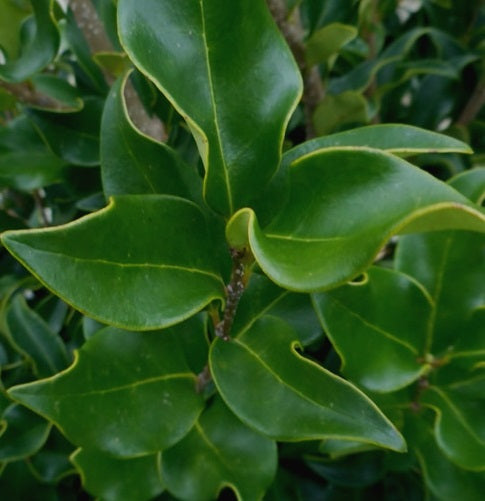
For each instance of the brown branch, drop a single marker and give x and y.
(474, 104)
(292, 29)
(25, 93)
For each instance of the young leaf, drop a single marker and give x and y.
(379, 342)
(126, 394)
(133, 163)
(40, 50)
(285, 396)
(186, 48)
(399, 139)
(328, 232)
(219, 451)
(112, 479)
(144, 262)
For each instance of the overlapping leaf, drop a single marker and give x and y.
(133, 163)
(144, 262)
(40, 49)
(381, 344)
(112, 479)
(219, 451)
(273, 389)
(127, 393)
(328, 232)
(239, 121)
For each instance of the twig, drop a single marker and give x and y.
(474, 104)
(292, 29)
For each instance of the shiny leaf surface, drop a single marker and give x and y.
(219, 451)
(142, 263)
(273, 389)
(112, 479)
(126, 394)
(381, 345)
(236, 121)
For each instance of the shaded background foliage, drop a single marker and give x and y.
(363, 62)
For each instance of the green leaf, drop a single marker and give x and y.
(399, 139)
(327, 234)
(471, 183)
(335, 111)
(450, 265)
(72, 136)
(263, 297)
(187, 50)
(28, 171)
(327, 41)
(33, 337)
(142, 263)
(112, 479)
(22, 433)
(126, 394)
(381, 345)
(219, 451)
(285, 396)
(132, 162)
(459, 426)
(13, 14)
(62, 97)
(445, 480)
(40, 50)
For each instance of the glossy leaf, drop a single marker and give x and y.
(126, 394)
(381, 345)
(60, 95)
(33, 337)
(40, 51)
(28, 171)
(112, 479)
(445, 480)
(236, 121)
(12, 16)
(142, 263)
(327, 233)
(459, 426)
(219, 451)
(132, 162)
(22, 433)
(327, 41)
(471, 183)
(273, 389)
(399, 139)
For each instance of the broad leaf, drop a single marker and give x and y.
(399, 139)
(113, 479)
(133, 163)
(33, 337)
(285, 396)
(471, 183)
(327, 41)
(28, 171)
(142, 263)
(13, 14)
(219, 451)
(40, 50)
(127, 393)
(444, 479)
(459, 427)
(328, 233)
(186, 48)
(382, 345)
(22, 433)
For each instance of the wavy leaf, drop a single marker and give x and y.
(399, 139)
(112, 479)
(40, 50)
(327, 234)
(206, 460)
(144, 262)
(126, 394)
(236, 121)
(276, 391)
(381, 345)
(133, 163)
